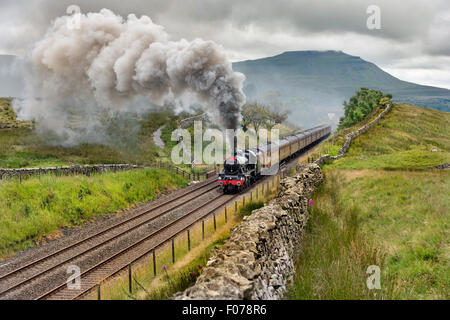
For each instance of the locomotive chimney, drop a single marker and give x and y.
(234, 146)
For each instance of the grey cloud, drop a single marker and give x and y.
(257, 28)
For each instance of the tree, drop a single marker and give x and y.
(385, 101)
(255, 115)
(260, 116)
(361, 104)
(276, 116)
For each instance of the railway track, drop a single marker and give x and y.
(111, 249)
(119, 261)
(14, 281)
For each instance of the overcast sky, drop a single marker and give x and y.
(412, 44)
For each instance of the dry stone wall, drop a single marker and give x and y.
(65, 170)
(351, 136)
(257, 261)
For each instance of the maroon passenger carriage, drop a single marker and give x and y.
(246, 166)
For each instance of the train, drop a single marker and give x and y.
(245, 167)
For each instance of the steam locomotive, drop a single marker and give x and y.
(247, 166)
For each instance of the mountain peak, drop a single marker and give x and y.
(312, 83)
(314, 54)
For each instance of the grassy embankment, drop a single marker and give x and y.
(37, 208)
(382, 205)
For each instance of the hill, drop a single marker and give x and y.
(383, 204)
(314, 83)
(407, 138)
(22, 146)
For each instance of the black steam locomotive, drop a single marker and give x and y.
(247, 166)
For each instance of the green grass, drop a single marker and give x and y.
(180, 274)
(334, 143)
(39, 207)
(407, 214)
(335, 253)
(8, 117)
(403, 139)
(249, 207)
(21, 146)
(382, 205)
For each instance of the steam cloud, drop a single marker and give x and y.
(112, 65)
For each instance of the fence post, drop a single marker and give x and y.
(226, 219)
(243, 200)
(173, 250)
(256, 192)
(235, 206)
(251, 196)
(203, 229)
(189, 240)
(154, 262)
(130, 282)
(215, 225)
(99, 297)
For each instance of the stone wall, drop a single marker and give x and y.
(257, 261)
(445, 165)
(351, 136)
(65, 170)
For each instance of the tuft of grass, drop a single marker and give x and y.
(335, 255)
(401, 208)
(39, 206)
(407, 214)
(249, 207)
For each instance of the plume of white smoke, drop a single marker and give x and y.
(110, 65)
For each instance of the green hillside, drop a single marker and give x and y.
(408, 138)
(384, 205)
(21, 146)
(314, 83)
